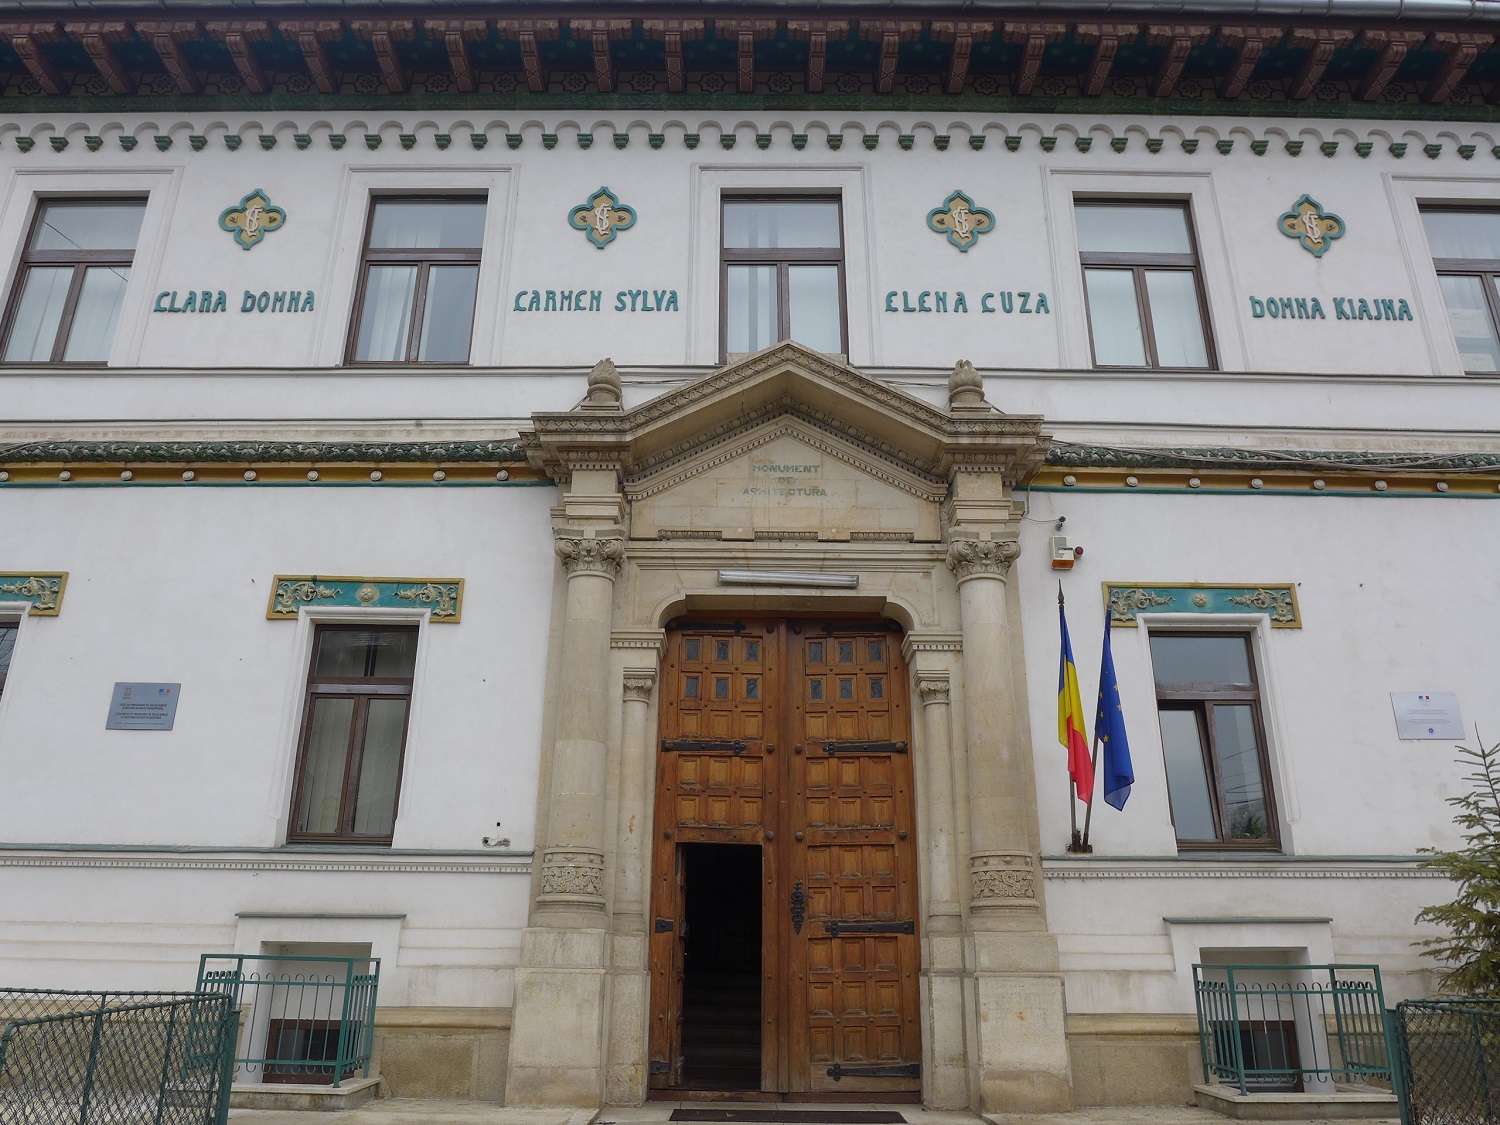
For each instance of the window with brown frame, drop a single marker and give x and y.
(1466, 254)
(353, 734)
(418, 281)
(68, 292)
(1213, 741)
(1142, 285)
(7, 647)
(782, 273)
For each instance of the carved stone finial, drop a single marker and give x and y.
(604, 387)
(966, 388)
(974, 558)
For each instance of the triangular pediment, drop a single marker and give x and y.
(788, 382)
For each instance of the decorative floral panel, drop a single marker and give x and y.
(289, 592)
(1127, 600)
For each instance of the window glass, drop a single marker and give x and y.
(448, 318)
(7, 647)
(1239, 763)
(1115, 319)
(89, 226)
(33, 331)
(771, 224)
(1463, 234)
(1126, 228)
(380, 768)
(97, 312)
(1175, 320)
(323, 761)
(386, 323)
(814, 298)
(1473, 324)
(1186, 659)
(1187, 783)
(752, 312)
(428, 224)
(350, 653)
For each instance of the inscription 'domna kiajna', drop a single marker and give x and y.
(1344, 308)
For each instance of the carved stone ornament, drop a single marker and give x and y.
(572, 876)
(602, 217)
(604, 386)
(933, 690)
(961, 220)
(998, 878)
(252, 219)
(1311, 226)
(599, 555)
(973, 558)
(965, 387)
(638, 686)
(43, 591)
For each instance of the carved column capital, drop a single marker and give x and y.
(639, 683)
(572, 877)
(981, 558)
(1002, 879)
(590, 554)
(933, 689)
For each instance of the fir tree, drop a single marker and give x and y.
(1470, 950)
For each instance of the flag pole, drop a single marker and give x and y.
(1088, 814)
(1075, 841)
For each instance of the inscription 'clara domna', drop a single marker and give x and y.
(216, 301)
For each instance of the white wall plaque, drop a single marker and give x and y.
(1427, 714)
(143, 707)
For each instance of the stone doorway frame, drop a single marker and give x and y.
(991, 990)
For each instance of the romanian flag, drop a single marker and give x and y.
(1070, 729)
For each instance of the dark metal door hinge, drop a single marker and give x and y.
(738, 746)
(910, 1070)
(864, 748)
(836, 927)
(664, 925)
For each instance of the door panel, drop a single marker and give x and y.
(834, 820)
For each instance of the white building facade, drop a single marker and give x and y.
(514, 668)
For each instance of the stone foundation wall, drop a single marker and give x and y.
(1133, 1059)
(443, 1052)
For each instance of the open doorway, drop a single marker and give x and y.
(721, 1002)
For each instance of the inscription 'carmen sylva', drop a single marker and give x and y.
(592, 300)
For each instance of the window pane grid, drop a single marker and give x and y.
(782, 274)
(66, 299)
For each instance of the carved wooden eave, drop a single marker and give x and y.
(789, 380)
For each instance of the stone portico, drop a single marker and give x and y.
(792, 463)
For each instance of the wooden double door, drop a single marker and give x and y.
(784, 944)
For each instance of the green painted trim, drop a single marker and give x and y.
(1067, 455)
(42, 592)
(1238, 857)
(1308, 492)
(173, 452)
(284, 849)
(290, 592)
(1128, 600)
(1175, 108)
(276, 484)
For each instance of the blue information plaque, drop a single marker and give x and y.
(143, 707)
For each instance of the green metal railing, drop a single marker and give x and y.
(305, 1019)
(1264, 1028)
(113, 1058)
(1449, 1051)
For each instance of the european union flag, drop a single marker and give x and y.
(1109, 728)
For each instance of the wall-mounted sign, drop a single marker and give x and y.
(961, 221)
(592, 300)
(957, 301)
(602, 217)
(1310, 225)
(216, 301)
(1427, 714)
(143, 707)
(252, 219)
(1344, 308)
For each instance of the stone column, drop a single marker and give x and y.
(558, 1036)
(630, 982)
(1002, 867)
(937, 749)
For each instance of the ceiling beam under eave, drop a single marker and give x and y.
(525, 32)
(239, 36)
(383, 35)
(1320, 44)
(167, 39)
(456, 36)
(1249, 42)
(310, 35)
(1034, 38)
(27, 40)
(961, 36)
(1179, 40)
(672, 32)
(816, 33)
(1106, 38)
(601, 34)
(1393, 47)
(97, 39)
(1462, 48)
